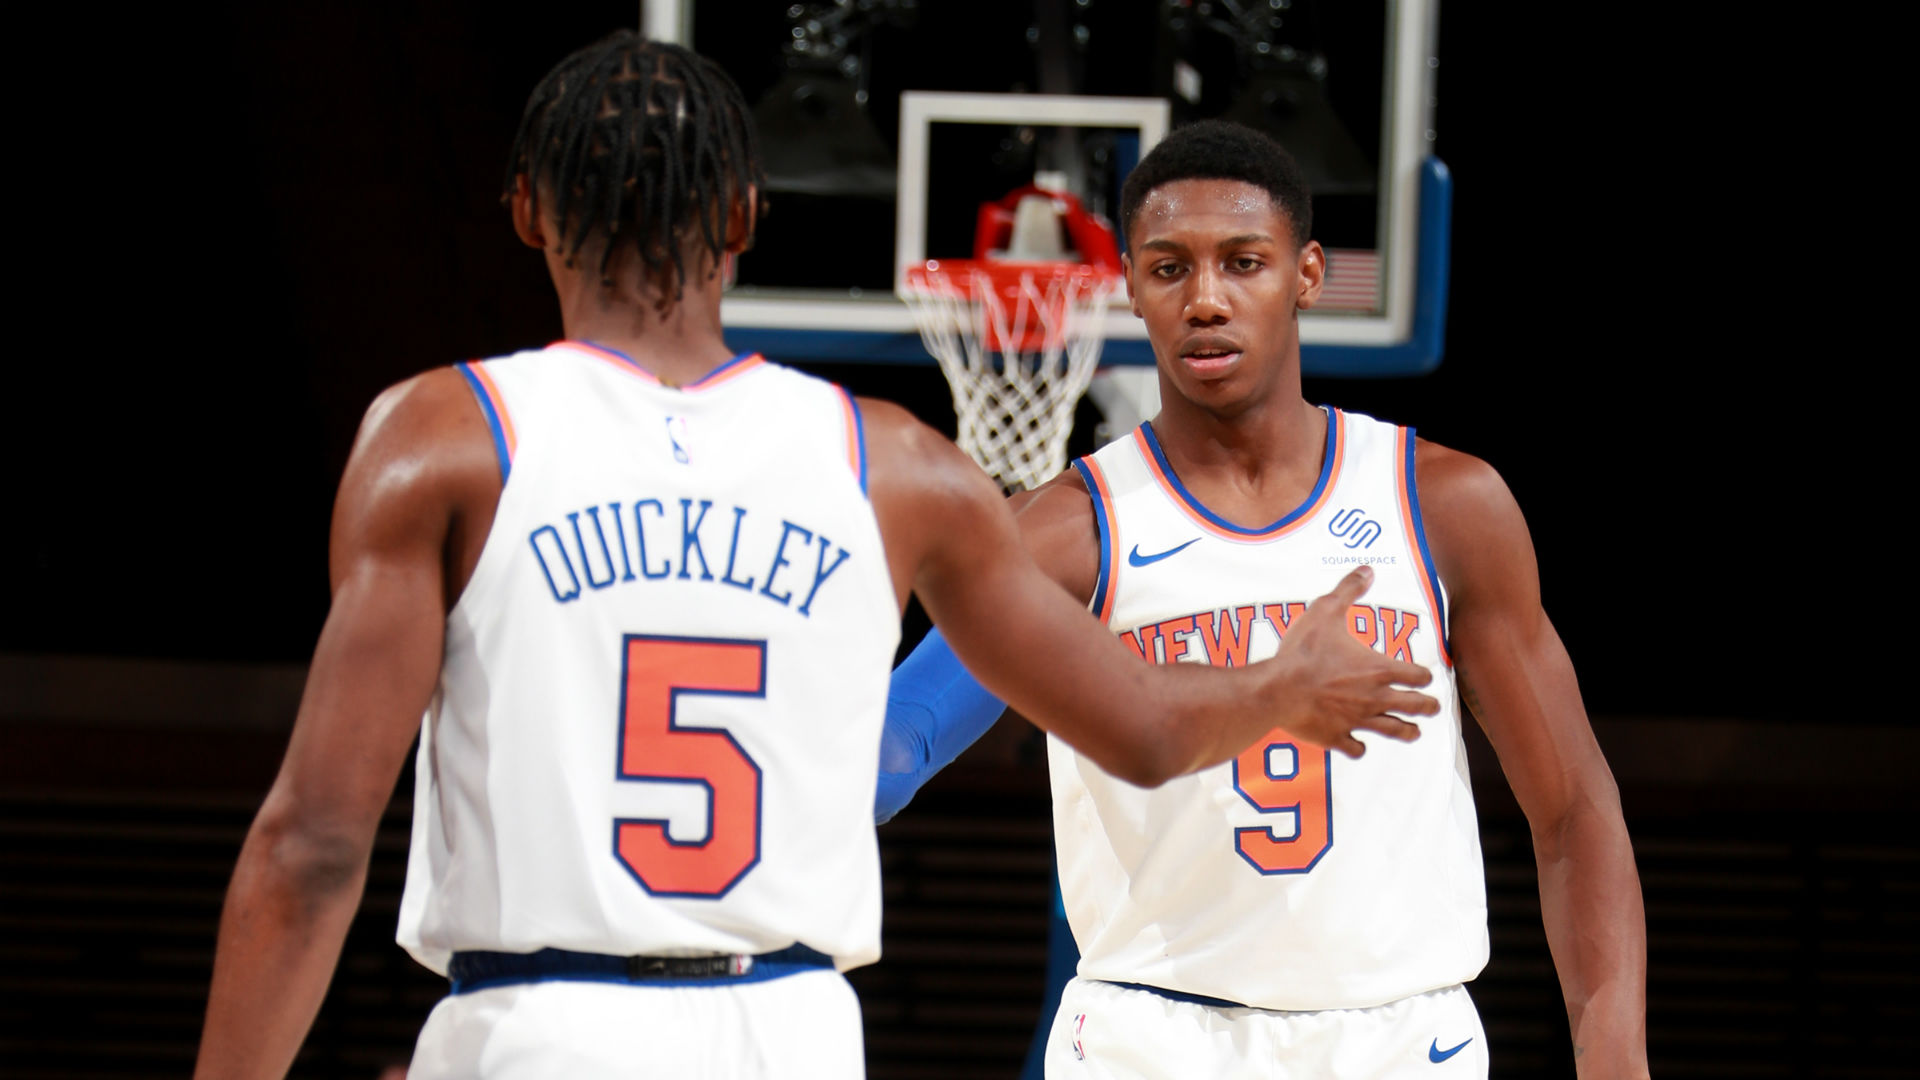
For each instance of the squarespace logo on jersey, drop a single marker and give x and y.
(1356, 530)
(622, 543)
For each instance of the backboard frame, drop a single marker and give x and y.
(1404, 337)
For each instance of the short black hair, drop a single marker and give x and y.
(1221, 150)
(643, 141)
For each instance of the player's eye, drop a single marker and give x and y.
(1166, 270)
(1245, 263)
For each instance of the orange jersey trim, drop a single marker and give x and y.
(856, 437)
(1177, 494)
(499, 403)
(1107, 585)
(1403, 446)
(719, 376)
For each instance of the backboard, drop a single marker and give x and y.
(885, 125)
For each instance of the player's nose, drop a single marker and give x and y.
(1206, 299)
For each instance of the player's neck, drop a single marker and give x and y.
(678, 344)
(1281, 432)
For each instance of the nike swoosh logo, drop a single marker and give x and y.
(1134, 558)
(1437, 1055)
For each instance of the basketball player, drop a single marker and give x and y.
(1291, 913)
(646, 593)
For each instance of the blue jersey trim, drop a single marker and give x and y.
(616, 352)
(716, 373)
(1327, 459)
(738, 359)
(1426, 554)
(1105, 576)
(1177, 995)
(859, 434)
(493, 418)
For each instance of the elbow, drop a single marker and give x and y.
(1591, 809)
(1150, 777)
(306, 853)
(1148, 764)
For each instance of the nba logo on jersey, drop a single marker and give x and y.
(677, 436)
(1079, 1024)
(675, 610)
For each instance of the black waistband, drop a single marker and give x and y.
(480, 970)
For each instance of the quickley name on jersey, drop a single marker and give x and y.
(635, 541)
(662, 688)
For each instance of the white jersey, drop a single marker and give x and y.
(660, 707)
(1291, 878)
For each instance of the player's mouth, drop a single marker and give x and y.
(1210, 359)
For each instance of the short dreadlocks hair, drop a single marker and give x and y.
(1221, 150)
(639, 141)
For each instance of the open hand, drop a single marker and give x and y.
(1328, 685)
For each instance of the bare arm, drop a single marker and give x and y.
(409, 488)
(1516, 677)
(951, 539)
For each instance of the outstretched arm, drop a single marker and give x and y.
(952, 540)
(304, 863)
(935, 710)
(1516, 677)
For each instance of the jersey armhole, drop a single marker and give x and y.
(1417, 538)
(499, 420)
(1101, 603)
(856, 438)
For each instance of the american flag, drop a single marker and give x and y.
(1353, 280)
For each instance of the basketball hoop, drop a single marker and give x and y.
(1018, 338)
(1018, 342)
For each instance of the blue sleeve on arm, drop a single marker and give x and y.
(934, 711)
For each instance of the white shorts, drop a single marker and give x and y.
(1109, 1032)
(798, 1027)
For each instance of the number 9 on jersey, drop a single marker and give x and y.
(1280, 774)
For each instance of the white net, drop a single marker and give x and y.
(1018, 345)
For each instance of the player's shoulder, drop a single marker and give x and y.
(1059, 530)
(433, 403)
(897, 438)
(918, 468)
(917, 479)
(422, 462)
(1453, 483)
(1063, 500)
(1469, 515)
(423, 434)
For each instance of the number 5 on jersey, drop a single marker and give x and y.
(655, 748)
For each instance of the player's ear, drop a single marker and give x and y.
(1126, 274)
(1311, 266)
(526, 213)
(743, 216)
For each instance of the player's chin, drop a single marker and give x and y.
(1223, 392)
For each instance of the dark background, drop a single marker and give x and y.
(265, 216)
(237, 223)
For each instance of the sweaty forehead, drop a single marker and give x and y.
(1189, 206)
